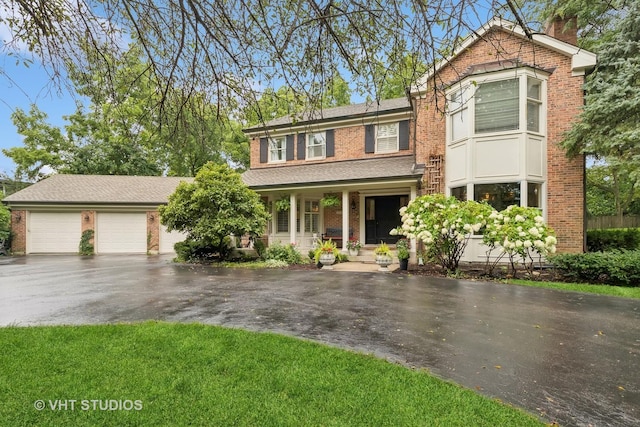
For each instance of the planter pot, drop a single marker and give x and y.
(327, 261)
(404, 264)
(354, 252)
(383, 261)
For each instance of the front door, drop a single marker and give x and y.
(381, 215)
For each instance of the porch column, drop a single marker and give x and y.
(293, 217)
(412, 251)
(345, 219)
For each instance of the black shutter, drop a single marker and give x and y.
(289, 147)
(403, 135)
(302, 146)
(264, 150)
(331, 146)
(369, 139)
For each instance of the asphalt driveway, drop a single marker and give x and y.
(568, 357)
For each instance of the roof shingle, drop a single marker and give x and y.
(385, 168)
(100, 189)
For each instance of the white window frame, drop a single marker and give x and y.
(458, 105)
(312, 137)
(278, 146)
(534, 101)
(387, 132)
(471, 84)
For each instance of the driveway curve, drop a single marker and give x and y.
(568, 357)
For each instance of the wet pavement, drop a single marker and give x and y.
(567, 357)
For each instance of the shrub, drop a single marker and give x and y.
(613, 239)
(613, 268)
(521, 234)
(259, 247)
(192, 250)
(444, 225)
(275, 263)
(86, 247)
(287, 253)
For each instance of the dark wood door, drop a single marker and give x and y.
(381, 215)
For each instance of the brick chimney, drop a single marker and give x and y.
(565, 29)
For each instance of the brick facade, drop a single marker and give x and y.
(19, 232)
(565, 203)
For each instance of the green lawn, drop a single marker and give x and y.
(191, 374)
(617, 291)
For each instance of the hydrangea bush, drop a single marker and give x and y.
(521, 234)
(444, 225)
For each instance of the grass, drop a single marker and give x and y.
(617, 291)
(191, 374)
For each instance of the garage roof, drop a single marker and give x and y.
(100, 189)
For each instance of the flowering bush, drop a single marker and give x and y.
(444, 225)
(354, 245)
(521, 234)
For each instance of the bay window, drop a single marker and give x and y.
(497, 106)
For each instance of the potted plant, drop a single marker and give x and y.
(353, 246)
(402, 247)
(283, 203)
(330, 200)
(383, 256)
(326, 254)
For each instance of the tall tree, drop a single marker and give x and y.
(226, 49)
(609, 125)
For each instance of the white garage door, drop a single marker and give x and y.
(167, 240)
(51, 232)
(121, 233)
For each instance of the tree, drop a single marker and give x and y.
(5, 225)
(227, 51)
(122, 132)
(214, 206)
(44, 145)
(612, 190)
(609, 125)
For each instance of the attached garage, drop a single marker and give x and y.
(51, 215)
(121, 232)
(53, 232)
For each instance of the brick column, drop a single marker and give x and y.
(88, 221)
(19, 230)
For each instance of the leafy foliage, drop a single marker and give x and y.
(444, 225)
(521, 234)
(215, 205)
(613, 239)
(86, 247)
(287, 253)
(620, 268)
(608, 126)
(5, 223)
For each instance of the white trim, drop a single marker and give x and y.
(581, 60)
(282, 150)
(308, 137)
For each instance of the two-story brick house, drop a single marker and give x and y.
(485, 124)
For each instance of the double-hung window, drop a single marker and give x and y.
(534, 104)
(316, 145)
(497, 106)
(278, 149)
(387, 138)
(459, 112)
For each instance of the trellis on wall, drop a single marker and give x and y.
(434, 176)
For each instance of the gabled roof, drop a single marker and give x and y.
(99, 189)
(581, 60)
(322, 174)
(365, 109)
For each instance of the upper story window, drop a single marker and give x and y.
(277, 150)
(534, 103)
(387, 138)
(316, 145)
(497, 105)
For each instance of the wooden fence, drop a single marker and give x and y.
(613, 222)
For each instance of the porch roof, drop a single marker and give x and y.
(342, 172)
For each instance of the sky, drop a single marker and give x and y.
(21, 86)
